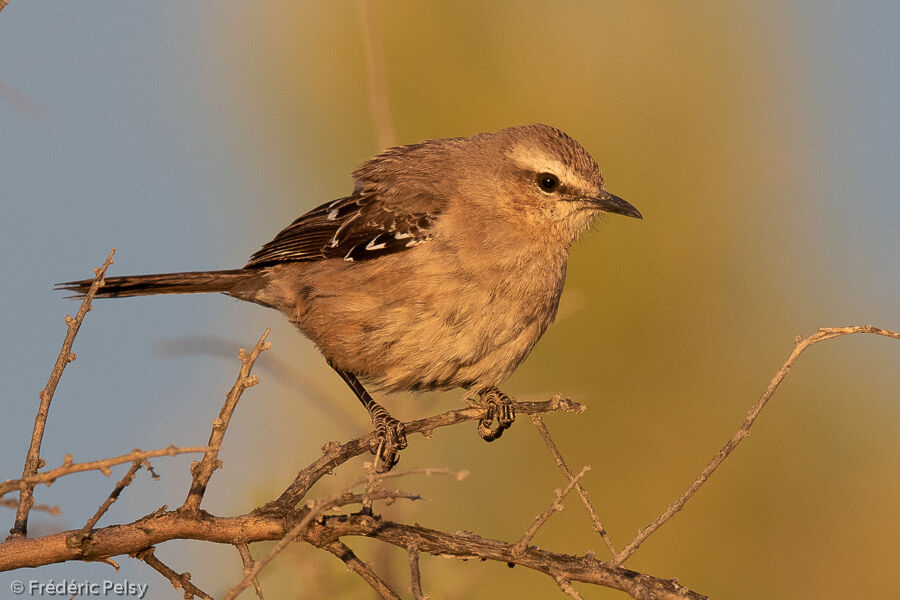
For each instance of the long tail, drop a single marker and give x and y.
(162, 283)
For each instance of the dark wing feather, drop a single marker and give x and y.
(355, 228)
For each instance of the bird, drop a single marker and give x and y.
(441, 270)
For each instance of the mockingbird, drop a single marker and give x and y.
(441, 269)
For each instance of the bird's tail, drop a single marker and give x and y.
(196, 282)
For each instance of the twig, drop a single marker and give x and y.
(3, 4)
(361, 568)
(376, 74)
(203, 470)
(68, 467)
(561, 463)
(468, 545)
(542, 518)
(244, 550)
(180, 581)
(33, 461)
(335, 454)
(566, 586)
(53, 510)
(372, 483)
(415, 576)
(801, 344)
(317, 508)
(162, 526)
(113, 496)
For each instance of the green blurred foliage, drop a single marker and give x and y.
(669, 329)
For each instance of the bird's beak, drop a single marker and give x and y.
(613, 204)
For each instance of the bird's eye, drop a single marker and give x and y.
(548, 182)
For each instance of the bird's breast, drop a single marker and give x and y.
(427, 318)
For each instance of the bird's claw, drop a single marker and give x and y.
(497, 405)
(390, 439)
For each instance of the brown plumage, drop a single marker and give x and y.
(442, 269)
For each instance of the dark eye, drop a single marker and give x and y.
(548, 182)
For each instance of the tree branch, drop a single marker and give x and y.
(244, 550)
(279, 520)
(33, 461)
(202, 471)
(542, 518)
(415, 576)
(561, 463)
(801, 344)
(103, 465)
(335, 454)
(361, 568)
(164, 526)
(180, 581)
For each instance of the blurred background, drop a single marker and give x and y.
(759, 140)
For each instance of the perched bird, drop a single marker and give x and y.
(441, 269)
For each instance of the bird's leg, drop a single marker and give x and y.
(388, 431)
(498, 406)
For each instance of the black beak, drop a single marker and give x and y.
(613, 204)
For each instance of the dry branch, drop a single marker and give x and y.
(244, 550)
(561, 463)
(415, 576)
(33, 460)
(801, 344)
(279, 520)
(315, 509)
(180, 581)
(113, 496)
(361, 568)
(169, 525)
(103, 465)
(202, 471)
(335, 454)
(542, 518)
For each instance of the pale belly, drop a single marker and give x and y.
(405, 327)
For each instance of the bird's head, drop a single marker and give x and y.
(550, 177)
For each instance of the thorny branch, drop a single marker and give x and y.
(542, 518)
(317, 508)
(801, 344)
(361, 568)
(561, 463)
(180, 581)
(33, 460)
(203, 470)
(68, 467)
(335, 454)
(244, 550)
(415, 576)
(113, 496)
(282, 521)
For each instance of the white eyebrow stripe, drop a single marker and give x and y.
(538, 162)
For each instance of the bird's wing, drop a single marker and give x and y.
(355, 228)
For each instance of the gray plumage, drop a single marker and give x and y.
(442, 269)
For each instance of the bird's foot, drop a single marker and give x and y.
(390, 439)
(497, 406)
